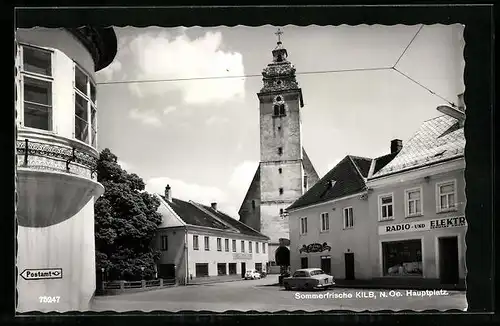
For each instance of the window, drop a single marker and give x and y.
(305, 182)
(226, 244)
(348, 218)
(207, 244)
(280, 150)
(263, 248)
(413, 202)
(280, 170)
(242, 246)
(282, 109)
(164, 243)
(276, 110)
(386, 207)
(325, 222)
(446, 196)
(250, 246)
(221, 269)
(253, 204)
(234, 245)
(85, 108)
(36, 73)
(303, 225)
(256, 247)
(281, 191)
(402, 258)
(232, 268)
(195, 242)
(219, 244)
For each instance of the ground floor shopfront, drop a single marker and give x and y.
(426, 252)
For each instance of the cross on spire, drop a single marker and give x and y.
(279, 33)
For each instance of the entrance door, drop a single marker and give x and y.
(201, 270)
(326, 265)
(349, 265)
(448, 260)
(243, 269)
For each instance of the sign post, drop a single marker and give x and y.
(42, 274)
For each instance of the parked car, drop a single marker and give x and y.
(308, 279)
(252, 274)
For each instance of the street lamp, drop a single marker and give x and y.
(142, 273)
(102, 278)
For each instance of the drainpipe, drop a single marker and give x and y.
(186, 265)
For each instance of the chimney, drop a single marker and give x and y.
(168, 194)
(214, 206)
(396, 145)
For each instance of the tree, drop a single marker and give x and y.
(126, 220)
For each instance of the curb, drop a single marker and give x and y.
(213, 282)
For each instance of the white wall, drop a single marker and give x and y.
(69, 245)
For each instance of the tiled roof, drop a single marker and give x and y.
(193, 215)
(234, 223)
(347, 182)
(363, 164)
(190, 214)
(437, 140)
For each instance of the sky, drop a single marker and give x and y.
(201, 136)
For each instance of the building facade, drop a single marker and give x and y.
(200, 241)
(56, 145)
(285, 171)
(399, 221)
(418, 204)
(327, 222)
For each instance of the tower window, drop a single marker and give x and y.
(276, 110)
(281, 191)
(282, 109)
(280, 150)
(253, 204)
(280, 170)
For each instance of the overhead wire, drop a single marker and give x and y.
(142, 81)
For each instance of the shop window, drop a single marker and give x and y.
(195, 243)
(219, 244)
(207, 244)
(413, 202)
(258, 267)
(303, 225)
(325, 222)
(221, 269)
(446, 196)
(386, 207)
(232, 268)
(36, 72)
(402, 258)
(348, 218)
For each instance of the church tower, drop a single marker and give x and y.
(285, 172)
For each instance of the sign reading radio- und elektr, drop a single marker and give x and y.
(41, 274)
(426, 225)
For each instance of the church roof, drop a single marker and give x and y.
(438, 139)
(345, 179)
(191, 214)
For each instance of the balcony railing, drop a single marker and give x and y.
(72, 158)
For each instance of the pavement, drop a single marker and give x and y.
(264, 296)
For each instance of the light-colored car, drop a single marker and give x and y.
(252, 274)
(308, 279)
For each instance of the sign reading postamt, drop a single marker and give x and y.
(427, 225)
(42, 274)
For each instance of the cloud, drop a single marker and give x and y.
(124, 165)
(148, 117)
(169, 109)
(216, 120)
(187, 191)
(160, 56)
